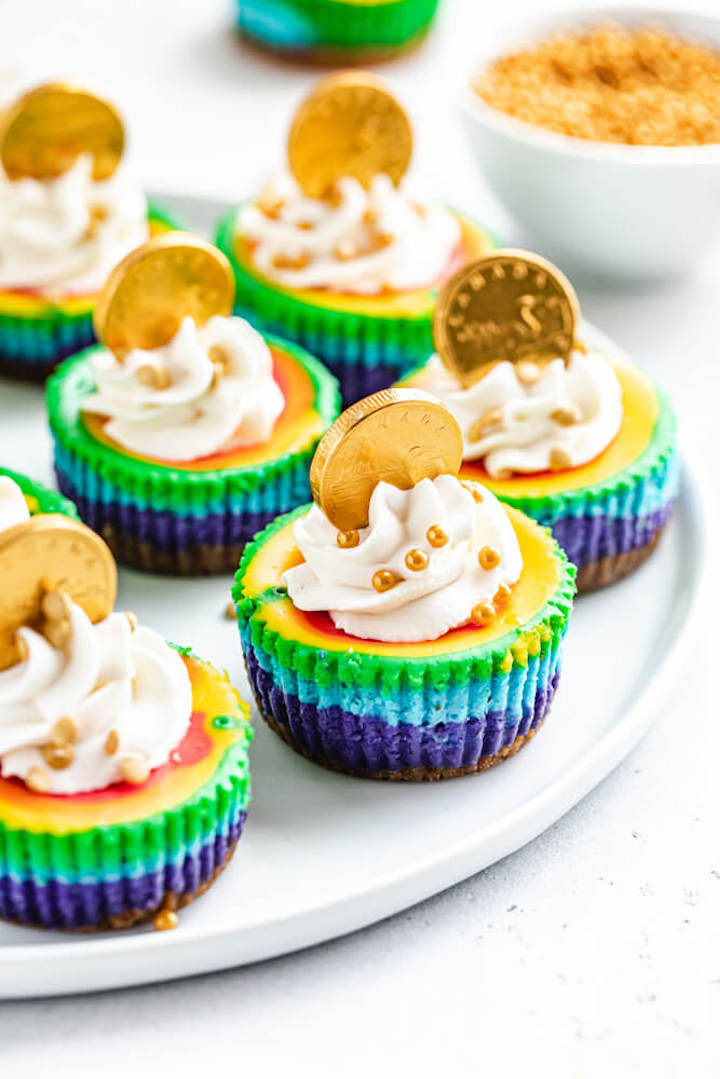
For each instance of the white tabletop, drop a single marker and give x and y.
(594, 948)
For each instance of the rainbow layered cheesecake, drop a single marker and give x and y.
(65, 220)
(336, 31)
(336, 253)
(37, 497)
(124, 780)
(583, 442)
(426, 643)
(177, 455)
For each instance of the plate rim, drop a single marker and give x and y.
(425, 877)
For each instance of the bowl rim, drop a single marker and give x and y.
(543, 24)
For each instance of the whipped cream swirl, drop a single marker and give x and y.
(13, 507)
(63, 236)
(424, 603)
(360, 242)
(126, 692)
(564, 419)
(210, 389)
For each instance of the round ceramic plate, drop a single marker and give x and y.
(324, 854)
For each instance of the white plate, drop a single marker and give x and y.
(324, 854)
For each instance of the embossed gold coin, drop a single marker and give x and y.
(349, 125)
(156, 286)
(44, 132)
(507, 305)
(51, 552)
(400, 436)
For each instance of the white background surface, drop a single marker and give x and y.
(594, 948)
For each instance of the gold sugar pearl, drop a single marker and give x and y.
(272, 208)
(134, 770)
(164, 920)
(64, 731)
(488, 557)
(59, 756)
(382, 240)
(55, 606)
(492, 417)
(565, 417)
(345, 250)
(559, 459)
(217, 375)
(436, 536)
(57, 633)
(305, 226)
(370, 217)
(162, 380)
(477, 494)
(230, 611)
(132, 620)
(351, 538)
(38, 779)
(417, 559)
(384, 580)
(98, 214)
(502, 596)
(218, 356)
(157, 378)
(527, 372)
(482, 614)
(112, 743)
(291, 262)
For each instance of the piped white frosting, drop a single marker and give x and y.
(424, 604)
(107, 678)
(13, 507)
(198, 413)
(337, 242)
(527, 434)
(63, 236)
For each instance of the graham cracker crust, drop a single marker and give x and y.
(195, 561)
(320, 56)
(605, 571)
(423, 774)
(27, 372)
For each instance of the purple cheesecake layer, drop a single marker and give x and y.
(588, 539)
(163, 530)
(358, 381)
(368, 745)
(88, 905)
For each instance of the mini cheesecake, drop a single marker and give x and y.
(608, 515)
(37, 332)
(110, 858)
(411, 711)
(188, 517)
(367, 341)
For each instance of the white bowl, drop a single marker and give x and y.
(630, 211)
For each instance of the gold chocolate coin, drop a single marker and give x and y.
(349, 125)
(156, 286)
(44, 132)
(51, 553)
(507, 305)
(400, 436)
